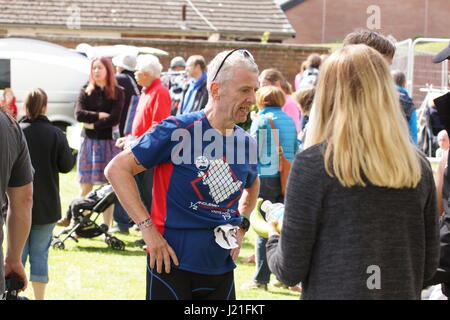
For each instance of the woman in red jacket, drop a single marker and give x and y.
(9, 102)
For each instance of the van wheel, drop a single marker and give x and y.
(61, 125)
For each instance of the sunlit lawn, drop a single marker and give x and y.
(89, 270)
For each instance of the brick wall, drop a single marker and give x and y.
(402, 18)
(284, 57)
(425, 73)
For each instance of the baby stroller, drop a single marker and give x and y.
(85, 212)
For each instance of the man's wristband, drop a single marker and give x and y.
(245, 216)
(245, 224)
(144, 224)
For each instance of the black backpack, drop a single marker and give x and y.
(132, 108)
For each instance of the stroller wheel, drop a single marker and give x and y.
(104, 228)
(120, 246)
(58, 244)
(116, 244)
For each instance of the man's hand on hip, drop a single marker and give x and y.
(159, 250)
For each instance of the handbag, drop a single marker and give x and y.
(284, 165)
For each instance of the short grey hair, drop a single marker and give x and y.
(236, 59)
(150, 64)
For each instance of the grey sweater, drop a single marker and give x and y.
(355, 243)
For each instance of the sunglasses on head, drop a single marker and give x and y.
(245, 52)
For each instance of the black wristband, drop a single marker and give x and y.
(245, 224)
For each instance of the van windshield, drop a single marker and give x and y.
(5, 74)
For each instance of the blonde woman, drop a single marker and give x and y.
(360, 219)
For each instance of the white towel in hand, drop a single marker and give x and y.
(226, 236)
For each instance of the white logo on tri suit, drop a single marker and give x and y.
(202, 163)
(220, 180)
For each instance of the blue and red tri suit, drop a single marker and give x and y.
(199, 178)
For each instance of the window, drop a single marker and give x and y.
(5, 73)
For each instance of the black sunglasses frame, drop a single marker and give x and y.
(246, 54)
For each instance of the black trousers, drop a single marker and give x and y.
(185, 285)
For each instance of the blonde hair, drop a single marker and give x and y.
(269, 96)
(357, 112)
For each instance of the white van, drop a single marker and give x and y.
(59, 71)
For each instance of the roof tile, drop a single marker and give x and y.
(226, 15)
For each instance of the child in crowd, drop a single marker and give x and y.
(304, 98)
(444, 143)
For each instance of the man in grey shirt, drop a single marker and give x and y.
(16, 188)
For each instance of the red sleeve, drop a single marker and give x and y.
(14, 107)
(161, 107)
(14, 111)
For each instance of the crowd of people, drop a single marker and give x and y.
(185, 173)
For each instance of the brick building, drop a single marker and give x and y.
(230, 20)
(326, 21)
(180, 27)
(285, 57)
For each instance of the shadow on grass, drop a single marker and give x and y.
(108, 250)
(134, 245)
(285, 293)
(100, 246)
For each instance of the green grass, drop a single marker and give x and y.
(432, 47)
(89, 270)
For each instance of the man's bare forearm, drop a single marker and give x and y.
(18, 220)
(249, 198)
(439, 180)
(121, 176)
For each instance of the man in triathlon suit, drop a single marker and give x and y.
(205, 187)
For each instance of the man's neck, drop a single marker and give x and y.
(216, 122)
